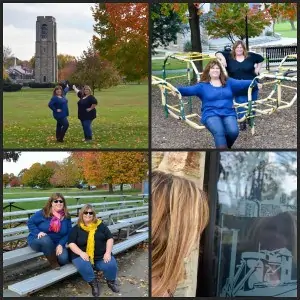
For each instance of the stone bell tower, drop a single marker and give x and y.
(45, 50)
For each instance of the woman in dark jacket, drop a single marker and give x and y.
(86, 110)
(241, 64)
(49, 230)
(59, 105)
(91, 243)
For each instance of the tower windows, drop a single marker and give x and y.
(44, 31)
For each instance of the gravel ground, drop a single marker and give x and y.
(278, 130)
(132, 277)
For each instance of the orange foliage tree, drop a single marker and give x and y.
(284, 11)
(122, 37)
(112, 167)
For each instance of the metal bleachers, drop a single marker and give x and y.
(43, 280)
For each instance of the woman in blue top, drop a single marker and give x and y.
(216, 92)
(241, 64)
(59, 105)
(49, 231)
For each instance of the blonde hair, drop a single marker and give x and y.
(86, 87)
(179, 215)
(83, 209)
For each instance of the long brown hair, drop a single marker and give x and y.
(47, 211)
(205, 75)
(58, 87)
(83, 209)
(237, 43)
(179, 215)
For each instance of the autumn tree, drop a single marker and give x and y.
(21, 174)
(228, 20)
(39, 175)
(113, 167)
(5, 179)
(284, 11)
(92, 70)
(15, 181)
(66, 65)
(122, 37)
(66, 175)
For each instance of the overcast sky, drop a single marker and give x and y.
(27, 159)
(74, 23)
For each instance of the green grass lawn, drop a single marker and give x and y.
(285, 29)
(32, 193)
(122, 119)
(172, 64)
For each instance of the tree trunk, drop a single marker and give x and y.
(195, 34)
(292, 24)
(110, 188)
(121, 187)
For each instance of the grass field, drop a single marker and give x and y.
(122, 119)
(285, 29)
(173, 64)
(31, 193)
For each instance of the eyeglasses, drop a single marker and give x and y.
(58, 201)
(88, 213)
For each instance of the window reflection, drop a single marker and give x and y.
(256, 230)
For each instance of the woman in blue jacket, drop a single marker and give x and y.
(59, 105)
(216, 92)
(49, 231)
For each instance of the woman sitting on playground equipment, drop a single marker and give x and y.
(179, 215)
(49, 231)
(241, 64)
(216, 92)
(59, 105)
(91, 243)
(86, 110)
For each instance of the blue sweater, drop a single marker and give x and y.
(216, 101)
(59, 103)
(38, 223)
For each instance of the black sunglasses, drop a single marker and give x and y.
(88, 212)
(58, 201)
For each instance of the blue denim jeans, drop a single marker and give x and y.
(62, 126)
(225, 130)
(45, 245)
(87, 129)
(85, 268)
(243, 99)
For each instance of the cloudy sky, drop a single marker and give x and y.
(29, 158)
(74, 26)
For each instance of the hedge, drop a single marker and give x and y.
(11, 87)
(35, 85)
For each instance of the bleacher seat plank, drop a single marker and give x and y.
(100, 214)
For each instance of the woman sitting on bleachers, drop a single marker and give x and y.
(49, 231)
(91, 243)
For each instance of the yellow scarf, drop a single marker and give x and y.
(91, 229)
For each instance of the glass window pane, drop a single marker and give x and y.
(257, 224)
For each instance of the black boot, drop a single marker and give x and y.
(95, 287)
(243, 126)
(112, 285)
(52, 258)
